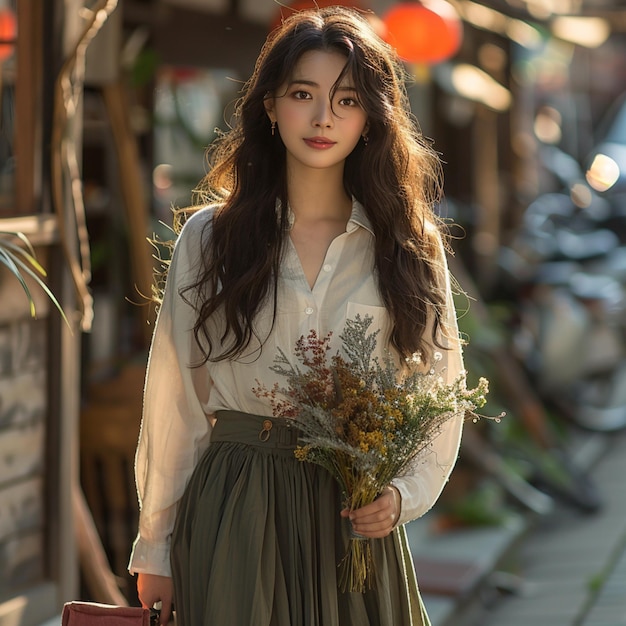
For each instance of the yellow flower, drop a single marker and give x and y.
(302, 452)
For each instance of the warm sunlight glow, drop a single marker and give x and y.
(162, 176)
(547, 125)
(589, 32)
(471, 82)
(603, 173)
(581, 195)
(523, 34)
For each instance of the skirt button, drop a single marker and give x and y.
(264, 435)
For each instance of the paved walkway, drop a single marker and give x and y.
(569, 568)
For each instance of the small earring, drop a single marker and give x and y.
(273, 128)
(366, 139)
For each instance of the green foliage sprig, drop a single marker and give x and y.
(19, 259)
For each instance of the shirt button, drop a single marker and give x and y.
(309, 310)
(327, 267)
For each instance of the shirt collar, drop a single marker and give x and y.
(358, 218)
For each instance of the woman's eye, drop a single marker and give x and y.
(348, 102)
(301, 95)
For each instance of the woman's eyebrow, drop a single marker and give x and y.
(303, 81)
(312, 83)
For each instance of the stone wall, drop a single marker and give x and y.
(23, 412)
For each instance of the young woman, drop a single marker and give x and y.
(319, 208)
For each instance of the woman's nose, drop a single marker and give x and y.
(323, 115)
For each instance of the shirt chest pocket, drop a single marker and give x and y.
(380, 320)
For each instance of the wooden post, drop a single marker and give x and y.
(131, 180)
(486, 239)
(94, 564)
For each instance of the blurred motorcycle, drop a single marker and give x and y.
(567, 267)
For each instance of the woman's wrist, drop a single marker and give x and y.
(397, 502)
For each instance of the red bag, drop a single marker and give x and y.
(93, 614)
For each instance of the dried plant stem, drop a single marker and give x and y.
(356, 569)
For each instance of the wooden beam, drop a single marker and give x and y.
(40, 229)
(135, 203)
(62, 436)
(28, 107)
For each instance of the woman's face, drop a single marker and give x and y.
(318, 132)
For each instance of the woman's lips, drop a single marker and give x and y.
(319, 143)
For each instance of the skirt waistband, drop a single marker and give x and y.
(255, 430)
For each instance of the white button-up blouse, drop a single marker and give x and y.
(180, 400)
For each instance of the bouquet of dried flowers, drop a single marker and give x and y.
(363, 421)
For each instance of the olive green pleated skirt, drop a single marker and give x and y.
(258, 538)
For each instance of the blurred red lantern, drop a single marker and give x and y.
(302, 5)
(8, 31)
(424, 32)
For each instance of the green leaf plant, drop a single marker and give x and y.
(18, 256)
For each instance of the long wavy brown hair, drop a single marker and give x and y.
(396, 177)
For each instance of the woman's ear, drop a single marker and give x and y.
(268, 103)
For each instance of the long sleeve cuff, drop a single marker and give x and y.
(411, 503)
(150, 558)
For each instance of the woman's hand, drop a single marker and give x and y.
(152, 589)
(379, 518)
